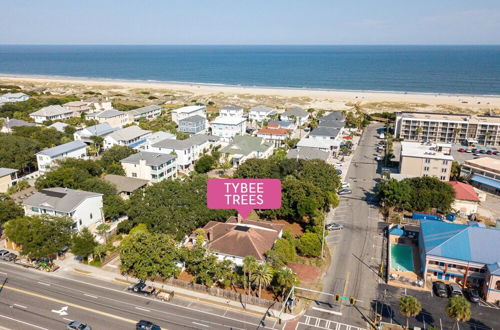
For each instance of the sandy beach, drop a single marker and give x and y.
(182, 93)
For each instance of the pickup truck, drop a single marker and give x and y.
(142, 288)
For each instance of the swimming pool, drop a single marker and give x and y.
(402, 257)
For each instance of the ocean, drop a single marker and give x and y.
(427, 69)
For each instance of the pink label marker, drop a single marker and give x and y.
(244, 195)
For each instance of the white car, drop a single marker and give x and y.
(346, 185)
(378, 158)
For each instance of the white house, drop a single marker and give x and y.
(85, 208)
(46, 158)
(151, 166)
(9, 124)
(296, 114)
(323, 145)
(231, 110)
(101, 130)
(260, 113)
(13, 97)
(98, 105)
(77, 107)
(466, 198)
(188, 111)
(149, 112)
(246, 147)
(276, 136)
(227, 127)
(187, 151)
(132, 136)
(156, 137)
(52, 112)
(113, 117)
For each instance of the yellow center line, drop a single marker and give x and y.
(69, 304)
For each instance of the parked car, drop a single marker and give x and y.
(474, 150)
(146, 325)
(334, 226)
(75, 325)
(482, 151)
(495, 152)
(440, 289)
(473, 295)
(454, 290)
(489, 152)
(9, 257)
(346, 185)
(344, 192)
(339, 172)
(3, 253)
(141, 288)
(468, 151)
(461, 150)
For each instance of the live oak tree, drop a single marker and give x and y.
(10, 155)
(9, 209)
(40, 236)
(110, 159)
(83, 243)
(204, 164)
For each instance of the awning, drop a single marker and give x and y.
(486, 181)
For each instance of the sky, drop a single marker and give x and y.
(237, 22)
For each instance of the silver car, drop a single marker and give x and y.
(75, 325)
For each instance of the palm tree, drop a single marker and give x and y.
(419, 131)
(286, 280)
(262, 277)
(101, 230)
(455, 133)
(249, 266)
(458, 309)
(410, 307)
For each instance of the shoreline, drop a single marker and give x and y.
(316, 98)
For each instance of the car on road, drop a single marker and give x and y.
(75, 325)
(468, 151)
(146, 325)
(334, 226)
(344, 192)
(141, 288)
(461, 150)
(473, 295)
(9, 256)
(339, 172)
(454, 290)
(3, 253)
(378, 158)
(346, 185)
(440, 289)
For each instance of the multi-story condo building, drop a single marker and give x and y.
(426, 159)
(231, 111)
(448, 128)
(151, 166)
(483, 173)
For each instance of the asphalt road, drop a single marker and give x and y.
(31, 299)
(356, 250)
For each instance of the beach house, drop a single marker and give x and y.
(9, 124)
(297, 115)
(77, 107)
(231, 110)
(426, 159)
(148, 112)
(52, 112)
(193, 125)
(151, 166)
(113, 117)
(13, 97)
(246, 147)
(86, 134)
(84, 207)
(188, 111)
(8, 177)
(132, 136)
(47, 158)
(276, 136)
(228, 127)
(261, 113)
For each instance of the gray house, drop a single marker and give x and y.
(193, 125)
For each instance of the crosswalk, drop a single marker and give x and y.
(320, 323)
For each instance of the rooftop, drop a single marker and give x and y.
(424, 150)
(241, 239)
(97, 130)
(307, 153)
(326, 131)
(13, 95)
(128, 133)
(262, 108)
(448, 117)
(108, 114)
(317, 143)
(232, 107)
(193, 119)
(194, 140)
(6, 171)
(274, 131)
(226, 120)
(59, 126)
(17, 123)
(333, 116)
(75, 104)
(51, 110)
(464, 191)
(151, 158)
(455, 241)
(296, 111)
(281, 123)
(189, 109)
(124, 183)
(146, 109)
(487, 162)
(245, 145)
(59, 199)
(63, 148)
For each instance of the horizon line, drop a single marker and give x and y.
(222, 44)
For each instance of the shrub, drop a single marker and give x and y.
(309, 245)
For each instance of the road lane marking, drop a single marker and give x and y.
(33, 294)
(69, 320)
(43, 283)
(3, 273)
(20, 306)
(200, 324)
(327, 311)
(22, 322)
(346, 282)
(89, 295)
(142, 309)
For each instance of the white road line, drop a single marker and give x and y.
(200, 324)
(65, 318)
(142, 309)
(91, 296)
(20, 306)
(22, 322)
(3, 273)
(327, 311)
(42, 283)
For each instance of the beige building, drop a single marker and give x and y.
(483, 173)
(448, 128)
(151, 166)
(113, 117)
(8, 177)
(425, 159)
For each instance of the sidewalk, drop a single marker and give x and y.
(70, 265)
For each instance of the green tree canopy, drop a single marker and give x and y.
(83, 243)
(110, 159)
(11, 155)
(204, 164)
(458, 309)
(9, 209)
(309, 245)
(40, 236)
(282, 252)
(410, 307)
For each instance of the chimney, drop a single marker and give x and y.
(209, 234)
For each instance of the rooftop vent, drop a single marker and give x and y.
(242, 228)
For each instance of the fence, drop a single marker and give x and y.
(217, 292)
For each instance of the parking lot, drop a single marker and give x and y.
(461, 157)
(484, 315)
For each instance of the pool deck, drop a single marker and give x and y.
(409, 277)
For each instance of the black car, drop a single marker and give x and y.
(146, 325)
(473, 295)
(440, 289)
(141, 288)
(3, 253)
(9, 256)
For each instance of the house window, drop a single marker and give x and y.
(35, 209)
(445, 162)
(443, 170)
(443, 177)
(134, 175)
(426, 168)
(427, 160)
